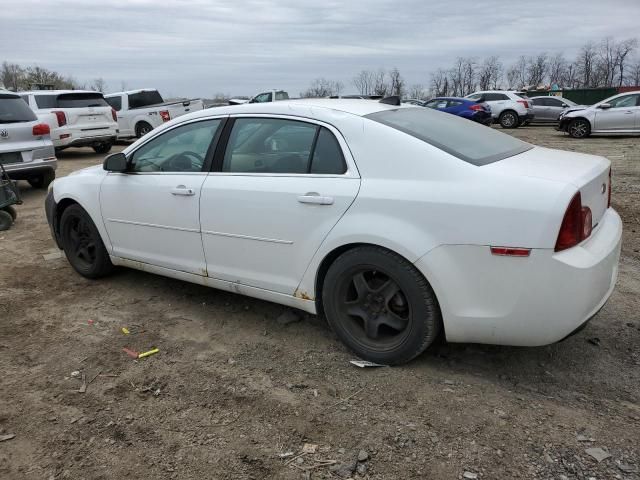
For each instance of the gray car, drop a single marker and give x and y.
(548, 109)
(26, 150)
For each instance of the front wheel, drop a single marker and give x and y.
(380, 306)
(509, 119)
(82, 244)
(5, 220)
(579, 128)
(102, 148)
(42, 181)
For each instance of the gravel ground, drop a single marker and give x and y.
(238, 389)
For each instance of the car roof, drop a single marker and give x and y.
(7, 92)
(311, 107)
(55, 92)
(129, 92)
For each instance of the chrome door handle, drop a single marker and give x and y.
(315, 198)
(182, 190)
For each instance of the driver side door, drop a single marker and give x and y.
(152, 212)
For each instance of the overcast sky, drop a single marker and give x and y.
(199, 47)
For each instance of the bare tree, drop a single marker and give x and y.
(364, 82)
(623, 50)
(12, 76)
(570, 78)
(99, 85)
(586, 64)
(396, 83)
(416, 91)
(380, 86)
(490, 73)
(557, 69)
(537, 69)
(512, 77)
(439, 83)
(321, 87)
(633, 77)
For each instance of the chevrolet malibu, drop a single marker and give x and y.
(397, 222)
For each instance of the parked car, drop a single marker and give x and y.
(509, 109)
(463, 107)
(619, 114)
(397, 222)
(26, 150)
(264, 97)
(76, 118)
(140, 111)
(549, 108)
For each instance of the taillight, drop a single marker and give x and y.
(61, 117)
(41, 129)
(475, 107)
(114, 114)
(576, 224)
(524, 102)
(165, 115)
(510, 252)
(610, 186)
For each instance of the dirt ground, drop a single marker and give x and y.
(232, 388)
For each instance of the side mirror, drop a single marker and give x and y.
(116, 162)
(564, 105)
(604, 106)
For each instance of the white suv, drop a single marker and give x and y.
(77, 118)
(509, 109)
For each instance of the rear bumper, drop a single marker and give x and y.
(26, 170)
(83, 137)
(524, 301)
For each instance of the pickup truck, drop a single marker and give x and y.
(264, 97)
(140, 111)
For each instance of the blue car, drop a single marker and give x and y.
(463, 107)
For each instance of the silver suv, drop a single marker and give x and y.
(509, 109)
(26, 150)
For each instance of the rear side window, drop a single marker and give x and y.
(13, 109)
(468, 141)
(282, 96)
(327, 155)
(271, 145)
(115, 102)
(144, 99)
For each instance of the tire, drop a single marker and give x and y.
(42, 181)
(142, 128)
(509, 119)
(5, 220)
(391, 317)
(12, 212)
(102, 148)
(82, 244)
(579, 128)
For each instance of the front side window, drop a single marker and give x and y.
(437, 104)
(468, 141)
(624, 102)
(182, 149)
(271, 145)
(262, 98)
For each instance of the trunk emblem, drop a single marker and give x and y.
(603, 188)
(4, 133)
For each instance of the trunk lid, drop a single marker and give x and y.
(85, 110)
(587, 173)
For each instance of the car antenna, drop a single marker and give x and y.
(393, 100)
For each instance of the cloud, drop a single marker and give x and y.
(198, 47)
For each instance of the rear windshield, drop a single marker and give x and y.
(144, 99)
(469, 141)
(71, 100)
(13, 109)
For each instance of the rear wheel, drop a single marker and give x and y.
(579, 128)
(509, 119)
(380, 306)
(43, 180)
(82, 243)
(142, 128)
(5, 220)
(11, 211)
(102, 147)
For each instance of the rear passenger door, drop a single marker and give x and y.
(280, 186)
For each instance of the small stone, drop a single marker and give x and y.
(52, 256)
(299, 460)
(363, 456)
(346, 469)
(449, 382)
(597, 453)
(469, 475)
(362, 469)
(231, 361)
(341, 451)
(288, 316)
(75, 374)
(343, 408)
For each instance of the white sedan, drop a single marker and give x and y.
(397, 222)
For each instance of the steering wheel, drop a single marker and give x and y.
(183, 161)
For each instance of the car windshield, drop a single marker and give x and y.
(13, 109)
(468, 141)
